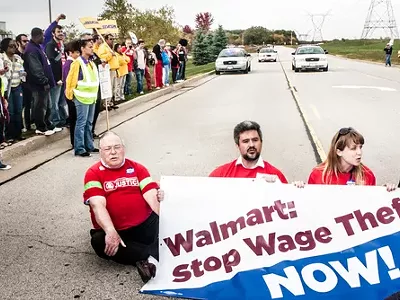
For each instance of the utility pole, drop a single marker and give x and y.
(51, 20)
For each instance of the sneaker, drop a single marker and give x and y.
(57, 129)
(141, 93)
(146, 270)
(95, 150)
(167, 84)
(4, 167)
(46, 133)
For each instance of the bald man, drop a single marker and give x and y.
(124, 208)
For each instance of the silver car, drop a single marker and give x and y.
(233, 60)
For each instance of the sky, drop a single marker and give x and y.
(345, 20)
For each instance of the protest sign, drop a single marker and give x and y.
(90, 22)
(233, 238)
(108, 26)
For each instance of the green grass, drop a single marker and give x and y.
(371, 50)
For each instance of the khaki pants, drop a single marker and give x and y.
(119, 89)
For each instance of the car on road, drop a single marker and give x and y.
(310, 57)
(233, 60)
(267, 54)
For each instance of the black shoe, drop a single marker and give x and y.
(84, 154)
(115, 107)
(95, 150)
(95, 136)
(146, 270)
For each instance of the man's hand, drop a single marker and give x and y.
(299, 184)
(112, 243)
(61, 17)
(160, 195)
(59, 82)
(47, 87)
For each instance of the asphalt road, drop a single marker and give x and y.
(44, 226)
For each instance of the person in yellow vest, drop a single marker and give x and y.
(81, 87)
(122, 71)
(107, 55)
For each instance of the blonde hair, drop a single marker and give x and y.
(344, 137)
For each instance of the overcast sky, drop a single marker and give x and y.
(346, 19)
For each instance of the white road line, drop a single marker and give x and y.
(315, 111)
(381, 88)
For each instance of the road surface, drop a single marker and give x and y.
(44, 226)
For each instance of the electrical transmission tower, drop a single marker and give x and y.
(380, 16)
(318, 21)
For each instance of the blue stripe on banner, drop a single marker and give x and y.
(368, 271)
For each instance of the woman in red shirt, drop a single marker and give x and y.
(343, 165)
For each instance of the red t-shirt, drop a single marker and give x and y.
(123, 189)
(342, 178)
(233, 169)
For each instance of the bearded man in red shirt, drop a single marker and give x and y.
(248, 139)
(124, 208)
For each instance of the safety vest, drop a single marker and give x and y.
(87, 88)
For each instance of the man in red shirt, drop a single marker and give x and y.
(248, 139)
(124, 208)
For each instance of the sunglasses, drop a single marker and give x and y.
(344, 131)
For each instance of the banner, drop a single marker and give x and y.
(108, 26)
(90, 22)
(133, 37)
(233, 238)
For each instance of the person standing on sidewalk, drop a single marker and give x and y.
(141, 66)
(82, 87)
(158, 68)
(15, 100)
(388, 50)
(40, 79)
(54, 53)
(107, 55)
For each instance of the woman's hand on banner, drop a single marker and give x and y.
(390, 187)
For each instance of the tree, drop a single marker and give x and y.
(200, 49)
(220, 40)
(71, 31)
(153, 25)
(257, 35)
(187, 29)
(204, 21)
(209, 40)
(122, 12)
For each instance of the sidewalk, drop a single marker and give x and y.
(37, 150)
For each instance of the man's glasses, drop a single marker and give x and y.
(344, 131)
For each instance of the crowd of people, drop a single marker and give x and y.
(49, 84)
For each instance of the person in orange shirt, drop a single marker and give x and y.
(343, 165)
(122, 71)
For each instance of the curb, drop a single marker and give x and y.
(36, 142)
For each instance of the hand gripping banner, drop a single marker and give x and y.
(237, 238)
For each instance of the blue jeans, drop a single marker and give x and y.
(166, 74)
(55, 110)
(63, 107)
(128, 84)
(139, 79)
(83, 138)
(181, 72)
(14, 128)
(388, 61)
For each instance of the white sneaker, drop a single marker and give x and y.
(4, 167)
(141, 93)
(167, 84)
(56, 129)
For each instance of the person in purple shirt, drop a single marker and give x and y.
(48, 34)
(73, 51)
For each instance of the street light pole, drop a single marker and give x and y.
(50, 11)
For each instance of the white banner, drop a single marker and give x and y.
(233, 238)
(105, 82)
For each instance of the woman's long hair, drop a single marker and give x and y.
(331, 165)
